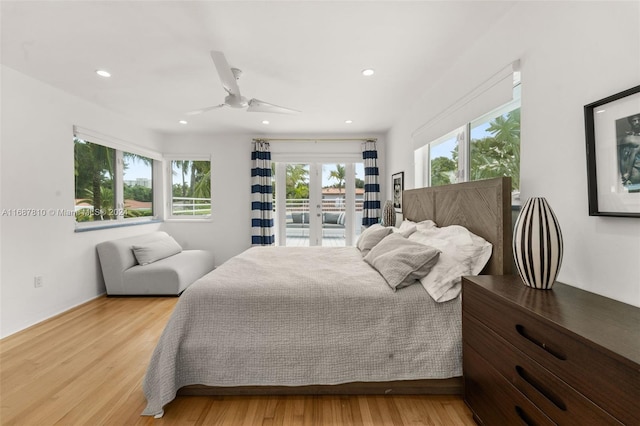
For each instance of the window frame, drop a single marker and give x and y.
(168, 206)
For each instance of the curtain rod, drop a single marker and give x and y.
(313, 139)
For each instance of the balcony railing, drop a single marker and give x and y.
(190, 206)
(302, 205)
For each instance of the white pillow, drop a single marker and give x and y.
(401, 262)
(426, 225)
(372, 236)
(405, 233)
(406, 228)
(462, 253)
(420, 226)
(156, 250)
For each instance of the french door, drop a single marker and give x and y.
(318, 203)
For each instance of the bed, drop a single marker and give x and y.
(287, 320)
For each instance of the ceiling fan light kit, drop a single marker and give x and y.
(229, 78)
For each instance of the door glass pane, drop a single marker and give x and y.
(333, 204)
(297, 204)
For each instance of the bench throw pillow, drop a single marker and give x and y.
(401, 262)
(156, 250)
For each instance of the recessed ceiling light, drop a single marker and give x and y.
(368, 72)
(265, 121)
(103, 73)
(348, 121)
(182, 122)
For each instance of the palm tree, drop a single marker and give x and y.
(93, 169)
(297, 181)
(339, 175)
(184, 167)
(201, 176)
(106, 208)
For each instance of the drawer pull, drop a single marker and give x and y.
(524, 333)
(524, 416)
(541, 388)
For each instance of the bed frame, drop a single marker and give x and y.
(483, 207)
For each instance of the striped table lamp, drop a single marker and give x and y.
(537, 244)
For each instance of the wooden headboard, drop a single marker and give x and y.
(483, 207)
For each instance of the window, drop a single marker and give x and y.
(491, 141)
(111, 184)
(190, 189)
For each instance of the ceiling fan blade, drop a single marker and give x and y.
(226, 75)
(256, 105)
(200, 111)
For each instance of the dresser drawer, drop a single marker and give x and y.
(492, 398)
(592, 372)
(559, 401)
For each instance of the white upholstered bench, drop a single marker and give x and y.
(150, 264)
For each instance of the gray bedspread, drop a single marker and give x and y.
(301, 316)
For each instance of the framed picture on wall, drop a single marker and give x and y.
(612, 129)
(397, 183)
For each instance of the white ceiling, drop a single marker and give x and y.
(303, 55)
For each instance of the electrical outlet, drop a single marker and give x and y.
(38, 281)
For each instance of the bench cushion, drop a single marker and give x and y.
(171, 275)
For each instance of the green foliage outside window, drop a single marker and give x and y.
(443, 170)
(297, 181)
(94, 180)
(191, 187)
(499, 154)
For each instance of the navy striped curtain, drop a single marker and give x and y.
(261, 196)
(371, 207)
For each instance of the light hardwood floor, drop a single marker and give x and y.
(85, 367)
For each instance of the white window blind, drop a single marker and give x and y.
(493, 92)
(113, 142)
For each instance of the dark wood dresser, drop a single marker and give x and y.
(562, 356)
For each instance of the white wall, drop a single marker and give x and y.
(572, 53)
(37, 172)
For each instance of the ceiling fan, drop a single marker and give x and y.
(229, 77)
